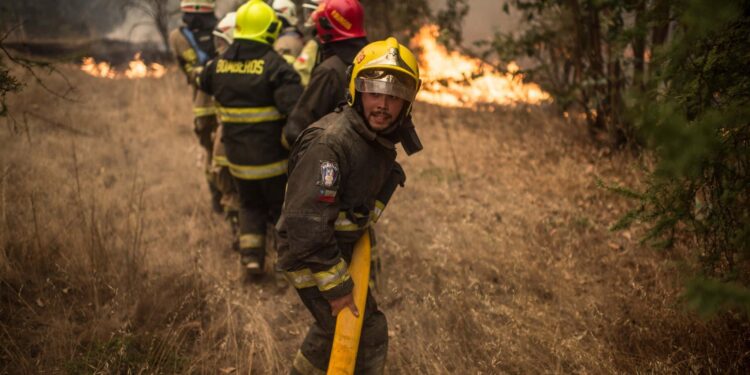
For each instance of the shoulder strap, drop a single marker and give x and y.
(202, 55)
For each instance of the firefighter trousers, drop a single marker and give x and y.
(205, 129)
(313, 356)
(260, 204)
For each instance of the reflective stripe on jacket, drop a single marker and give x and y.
(337, 170)
(249, 115)
(255, 90)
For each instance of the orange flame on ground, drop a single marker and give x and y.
(451, 79)
(136, 69)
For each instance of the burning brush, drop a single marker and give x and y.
(136, 69)
(451, 79)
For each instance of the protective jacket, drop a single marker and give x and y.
(188, 58)
(307, 60)
(255, 89)
(327, 87)
(341, 176)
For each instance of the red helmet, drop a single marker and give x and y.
(339, 20)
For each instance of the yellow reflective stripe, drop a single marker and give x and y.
(304, 366)
(221, 161)
(301, 279)
(258, 172)
(324, 280)
(289, 58)
(252, 241)
(377, 211)
(190, 56)
(332, 277)
(284, 142)
(249, 114)
(204, 111)
(343, 224)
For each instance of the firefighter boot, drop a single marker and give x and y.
(252, 260)
(233, 218)
(216, 205)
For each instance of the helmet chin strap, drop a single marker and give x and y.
(392, 128)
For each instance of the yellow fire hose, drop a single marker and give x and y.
(349, 327)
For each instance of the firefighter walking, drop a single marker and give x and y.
(255, 89)
(230, 201)
(342, 172)
(193, 47)
(308, 57)
(340, 29)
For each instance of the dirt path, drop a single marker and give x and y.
(496, 255)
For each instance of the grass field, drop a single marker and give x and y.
(497, 256)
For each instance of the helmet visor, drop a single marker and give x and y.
(387, 83)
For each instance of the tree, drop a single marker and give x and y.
(695, 116)
(384, 18)
(588, 54)
(667, 75)
(158, 13)
(60, 19)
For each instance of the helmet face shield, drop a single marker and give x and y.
(386, 83)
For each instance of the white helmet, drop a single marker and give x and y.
(311, 4)
(287, 10)
(224, 30)
(197, 6)
(308, 8)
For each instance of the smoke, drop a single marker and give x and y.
(484, 19)
(138, 27)
(55, 19)
(90, 19)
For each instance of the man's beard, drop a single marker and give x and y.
(385, 116)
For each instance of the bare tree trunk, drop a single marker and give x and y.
(387, 18)
(157, 12)
(639, 46)
(660, 31)
(161, 18)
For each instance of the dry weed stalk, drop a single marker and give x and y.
(496, 255)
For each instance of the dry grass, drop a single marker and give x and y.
(497, 257)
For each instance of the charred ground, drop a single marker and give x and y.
(496, 256)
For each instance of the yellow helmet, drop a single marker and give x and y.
(197, 6)
(257, 21)
(385, 67)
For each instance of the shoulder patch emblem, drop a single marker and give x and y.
(329, 173)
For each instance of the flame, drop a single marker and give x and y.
(136, 69)
(451, 79)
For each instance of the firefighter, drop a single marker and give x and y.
(342, 172)
(289, 43)
(340, 30)
(193, 47)
(308, 57)
(230, 201)
(255, 90)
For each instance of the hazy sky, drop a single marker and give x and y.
(485, 16)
